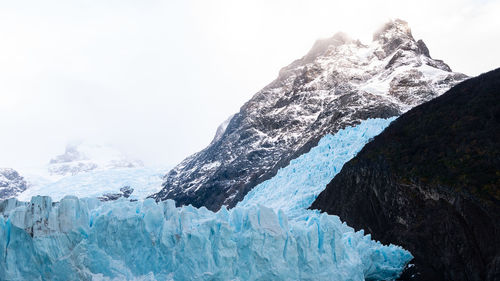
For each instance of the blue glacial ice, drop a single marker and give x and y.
(295, 187)
(85, 239)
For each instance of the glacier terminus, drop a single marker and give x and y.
(86, 239)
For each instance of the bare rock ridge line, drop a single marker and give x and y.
(340, 82)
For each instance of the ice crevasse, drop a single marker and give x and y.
(85, 239)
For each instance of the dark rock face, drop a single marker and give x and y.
(431, 183)
(11, 183)
(337, 84)
(125, 192)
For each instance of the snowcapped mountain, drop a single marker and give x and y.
(11, 183)
(144, 181)
(340, 82)
(91, 170)
(85, 157)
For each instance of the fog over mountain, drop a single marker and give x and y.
(156, 78)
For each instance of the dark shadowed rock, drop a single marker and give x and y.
(125, 192)
(431, 183)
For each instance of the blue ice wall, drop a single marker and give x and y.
(85, 239)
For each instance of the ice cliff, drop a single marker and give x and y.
(85, 239)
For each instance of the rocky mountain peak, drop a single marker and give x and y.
(393, 29)
(396, 35)
(338, 83)
(11, 183)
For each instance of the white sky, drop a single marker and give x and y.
(155, 78)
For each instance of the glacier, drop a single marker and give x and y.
(262, 238)
(295, 187)
(144, 180)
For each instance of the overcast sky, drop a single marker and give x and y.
(155, 78)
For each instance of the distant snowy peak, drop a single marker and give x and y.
(92, 170)
(338, 83)
(322, 45)
(11, 183)
(84, 157)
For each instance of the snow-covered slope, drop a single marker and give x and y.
(340, 82)
(91, 170)
(84, 239)
(11, 183)
(143, 180)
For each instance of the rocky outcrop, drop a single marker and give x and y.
(125, 192)
(11, 183)
(431, 183)
(337, 84)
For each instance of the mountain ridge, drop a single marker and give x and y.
(337, 84)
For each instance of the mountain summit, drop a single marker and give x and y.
(339, 83)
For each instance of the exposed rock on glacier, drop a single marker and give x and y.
(125, 192)
(11, 183)
(340, 82)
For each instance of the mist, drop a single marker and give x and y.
(155, 78)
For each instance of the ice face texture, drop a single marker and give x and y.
(296, 186)
(85, 239)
